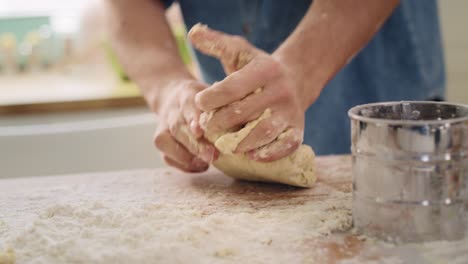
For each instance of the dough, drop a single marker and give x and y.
(8, 257)
(296, 169)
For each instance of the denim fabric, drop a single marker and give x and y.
(403, 61)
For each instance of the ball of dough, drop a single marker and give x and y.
(296, 169)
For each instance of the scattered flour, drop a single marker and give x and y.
(147, 217)
(137, 218)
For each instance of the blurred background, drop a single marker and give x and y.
(66, 106)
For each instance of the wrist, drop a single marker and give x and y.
(158, 88)
(308, 83)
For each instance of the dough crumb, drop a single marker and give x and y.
(267, 241)
(225, 252)
(8, 257)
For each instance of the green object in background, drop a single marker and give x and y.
(180, 36)
(114, 62)
(21, 27)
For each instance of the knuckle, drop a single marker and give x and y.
(284, 92)
(275, 68)
(174, 126)
(206, 100)
(184, 100)
(200, 100)
(230, 89)
(191, 88)
(239, 40)
(271, 66)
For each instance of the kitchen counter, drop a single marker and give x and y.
(164, 216)
(56, 92)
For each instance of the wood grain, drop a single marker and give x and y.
(70, 106)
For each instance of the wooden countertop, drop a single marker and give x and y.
(164, 216)
(65, 92)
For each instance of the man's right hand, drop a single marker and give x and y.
(178, 135)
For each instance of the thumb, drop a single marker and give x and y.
(233, 51)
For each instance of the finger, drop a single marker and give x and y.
(197, 147)
(239, 84)
(195, 128)
(264, 133)
(197, 167)
(235, 115)
(284, 145)
(233, 51)
(192, 116)
(208, 152)
(190, 112)
(173, 149)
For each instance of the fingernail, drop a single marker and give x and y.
(194, 128)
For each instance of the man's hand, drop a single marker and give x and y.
(256, 81)
(179, 136)
(152, 60)
(328, 36)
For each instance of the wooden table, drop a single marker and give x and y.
(164, 216)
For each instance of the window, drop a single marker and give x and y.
(54, 52)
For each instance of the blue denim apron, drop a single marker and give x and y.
(403, 61)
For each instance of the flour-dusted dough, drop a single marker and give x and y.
(296, 169)
(8, 257)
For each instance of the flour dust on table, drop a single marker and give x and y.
(163, 217)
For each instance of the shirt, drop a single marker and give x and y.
(403, 61)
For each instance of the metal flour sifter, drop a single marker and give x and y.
(410, 170)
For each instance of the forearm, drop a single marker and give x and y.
(328, 37)
(146, 47)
